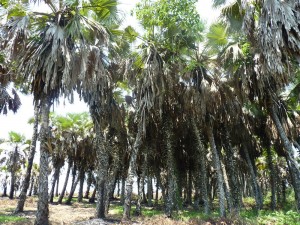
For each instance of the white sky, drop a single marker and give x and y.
(18, 122)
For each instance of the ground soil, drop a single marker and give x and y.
(83, 214)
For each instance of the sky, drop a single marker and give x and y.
(19, 122)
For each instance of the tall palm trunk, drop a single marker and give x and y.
(25, 185)
(131, 173)
(201, 173)
(232, 172)
(220, 178)
(57, 185)
(172, 187)
(294, 170)
(272, 178)
(89, 183)
(81, 182)
(62, 194)
(102, 169)
(13, 174)
(141, 180)
(42, 215)
(256, 188)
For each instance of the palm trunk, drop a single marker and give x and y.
(220, 178)
(141, 180)
(54, 179)
(81, 182)
(62, 194)
(31, 186)
(102, 169)
(131, 173)
(25, 185)
(256, 188)
(13, 173)
(93, 197)
(5, 186)
(272, 178)
(232, 174)
(201, 173)
(294, 170)
(57, 185)
(111, 185)
(149, 190)
(42, 215)
(172, 187)
(12, 185)
(73, 188)
(89, 183)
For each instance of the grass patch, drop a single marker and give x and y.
(10, 218)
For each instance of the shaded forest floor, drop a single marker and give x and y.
(79, 212)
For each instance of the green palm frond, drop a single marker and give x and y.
(217, 36)
(16, 137)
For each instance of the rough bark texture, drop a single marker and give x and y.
(89, 183)
(73, 188)
(256, 188)
(42, 215)
(62, 194)
(294, 170)
(13, 174)
(141, 185)
(232, 172)
(81, 181)
(220, 178)
(102, 169)
(26, 182)
(57, 185)
(54, 179)
(201, 173)
(272, 178)
(131, 173)
(172, 188)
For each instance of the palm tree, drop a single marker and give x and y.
(15, 157)
(62, 48)
(25, 185)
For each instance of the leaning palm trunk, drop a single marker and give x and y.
(25, 186)
(220, 178)
(294, 170)
(42, 215)
(256, 188)
(201, 174)
(131, 173)
(73, 188)
(62, 194)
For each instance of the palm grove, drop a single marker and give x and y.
(212, 115)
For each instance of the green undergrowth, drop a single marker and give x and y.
(10, 218)
(248, 215)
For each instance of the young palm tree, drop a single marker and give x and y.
(25, 185)
(14, 157)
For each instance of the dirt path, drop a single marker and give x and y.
(59, 214)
